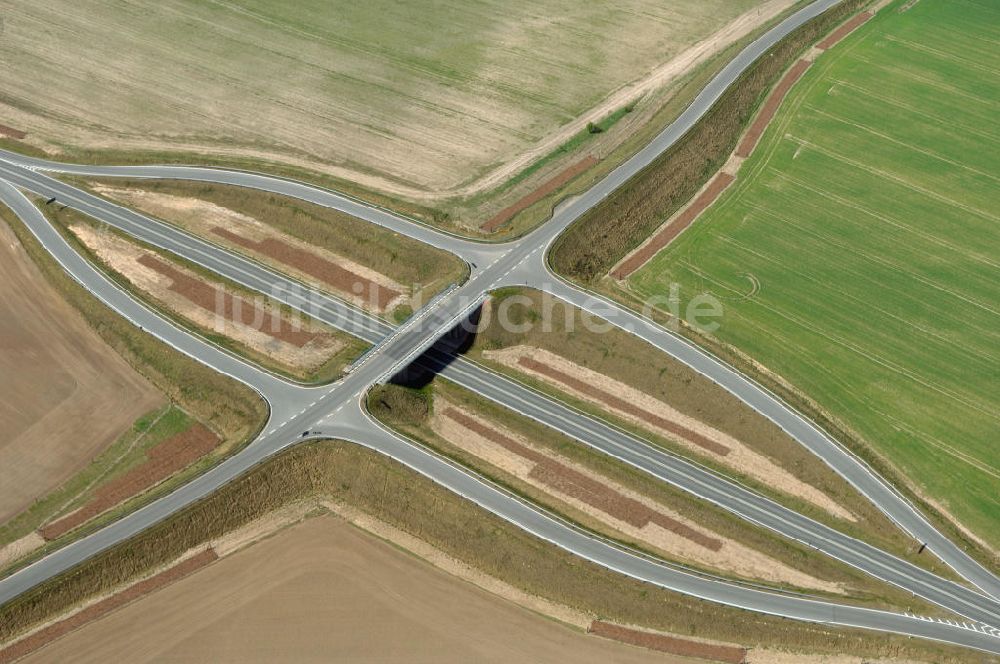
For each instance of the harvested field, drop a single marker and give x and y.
(163, 460)
(374, 268)
(538, 194)
(288, 339)
(104, 607)
(57, 373)
(596, 242)
(868, 216)
(318, 591)
(625, 511)
(654, 415)
(669, 644)
(419, 102)
(674, 227)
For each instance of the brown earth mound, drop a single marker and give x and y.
(164, 460)
(844, 30)
(105, 606)
(675, 228)
(504, 215)
(573, 483)
(624, 406)
(770, 107)
(326, 271)
(12, 133)
(222, 303)
(670, 644)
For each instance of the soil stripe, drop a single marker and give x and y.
(162, 461)
(559, 180)
(588, 490)
(12, 133)
(106, 606)
(670, 644)
(218, 301)
(624, 406)
(326, 271)
(844, 30)
(770, 107)
(674, 228)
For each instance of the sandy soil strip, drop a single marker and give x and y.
(844, 30)
(162, 461)
(626, 511)
(674, 227)
(326, 271)
(312, 264)
(670, 644)
(262, 327)
(740, 456)
(107, 605)
(12, 133)
(538, 194)
(770, 107)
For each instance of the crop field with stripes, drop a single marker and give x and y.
(858, 254)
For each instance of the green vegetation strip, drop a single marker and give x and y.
(599, 239)
(409, 501)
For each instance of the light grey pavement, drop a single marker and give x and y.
(336, 406)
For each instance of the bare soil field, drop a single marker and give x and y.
(324, 590)
(64, 394)
(416, 101)
(290, 340)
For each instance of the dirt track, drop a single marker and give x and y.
(56, 372)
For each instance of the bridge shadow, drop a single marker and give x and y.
(443, 352)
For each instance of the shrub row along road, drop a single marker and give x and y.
(336, 411)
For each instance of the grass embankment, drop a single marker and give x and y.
(422, 269)
(394, 494)
(868, 216)
(630, 360)
(328, 370)
(605, 234)
(410, 411)
(125, 453)
(232, 410)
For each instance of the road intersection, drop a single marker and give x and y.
(336, 411)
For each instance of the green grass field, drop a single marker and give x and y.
(869, 217)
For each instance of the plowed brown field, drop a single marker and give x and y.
(64, 394)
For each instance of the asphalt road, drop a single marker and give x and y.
(349, 422)
(336, 407)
